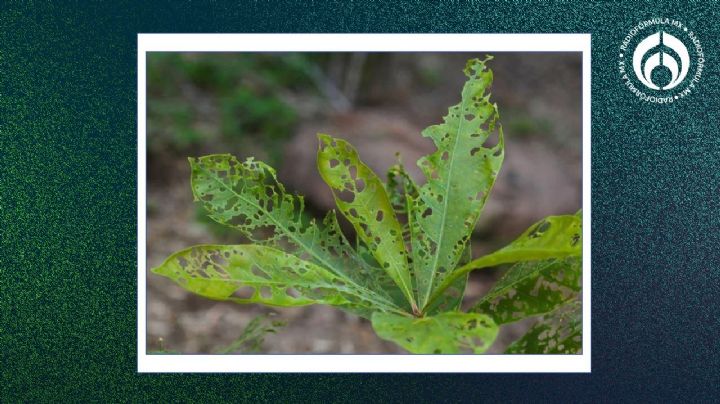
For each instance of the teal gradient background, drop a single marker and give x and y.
(68, 205)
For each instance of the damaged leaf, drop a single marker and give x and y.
(362, 199)
(459, 177)
(559, 332)
(257, 274)
(248, 197)
(532, 288)
(445, 333)
(552, 237)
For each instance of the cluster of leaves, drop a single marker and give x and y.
(408, 271)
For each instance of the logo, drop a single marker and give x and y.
(661, 61)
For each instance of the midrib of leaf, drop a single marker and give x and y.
(370, 294)
(445, 202)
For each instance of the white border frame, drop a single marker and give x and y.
(354, 43)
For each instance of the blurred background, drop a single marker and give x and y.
(271, 105)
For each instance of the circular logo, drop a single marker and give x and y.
(661, 61)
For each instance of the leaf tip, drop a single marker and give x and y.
(161, 270)
(324, 138)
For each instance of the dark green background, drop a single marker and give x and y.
(68, 205)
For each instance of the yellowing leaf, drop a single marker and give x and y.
(552, 237)
(257, 274)
(445, 333)
(362, 198)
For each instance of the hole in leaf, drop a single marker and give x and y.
(244, 292)
(433, 247)
(334, 163)
(474, 150)
(259, 272)
(231, 202)
(292, 292)
(478, 342)
(346, 196)
(491, 140)
(262, 232)
(218, 259)
(427, 213)
(360, 185)
(379, 216)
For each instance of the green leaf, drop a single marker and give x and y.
(401, 188)
(402, 191)
(552, 237)
(258, 274)
(532, 288)
(253, 336)
(559, 332)
(446, 333)
(452, 297)
(362, 198)
(460, 175)
(248, 197)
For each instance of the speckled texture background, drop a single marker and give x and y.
(68, 189)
